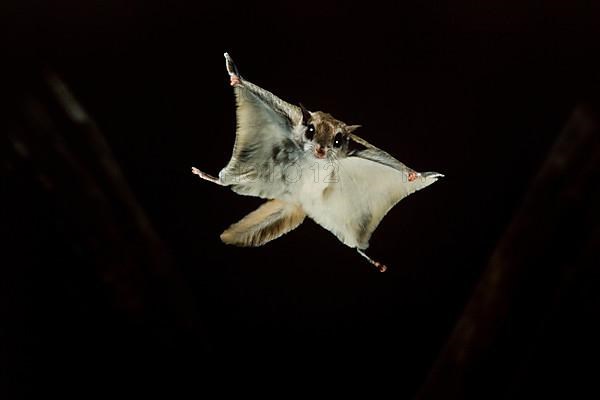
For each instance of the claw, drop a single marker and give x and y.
(380, 267)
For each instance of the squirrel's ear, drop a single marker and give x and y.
(305, 115)
(352, 128)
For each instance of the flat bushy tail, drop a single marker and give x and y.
(269, 221)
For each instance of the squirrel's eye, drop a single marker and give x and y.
(337, 141)
(310, 132)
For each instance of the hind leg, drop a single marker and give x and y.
(207, 177)
(380, 267)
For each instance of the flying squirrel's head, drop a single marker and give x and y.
(323, 135)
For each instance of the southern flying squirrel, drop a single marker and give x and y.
(308, 164)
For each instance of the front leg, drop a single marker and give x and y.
(380, 267)
(235, 79)
(234, 75)
(207, 177)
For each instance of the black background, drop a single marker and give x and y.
(475, 90)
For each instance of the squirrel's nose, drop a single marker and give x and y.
(320, 151)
